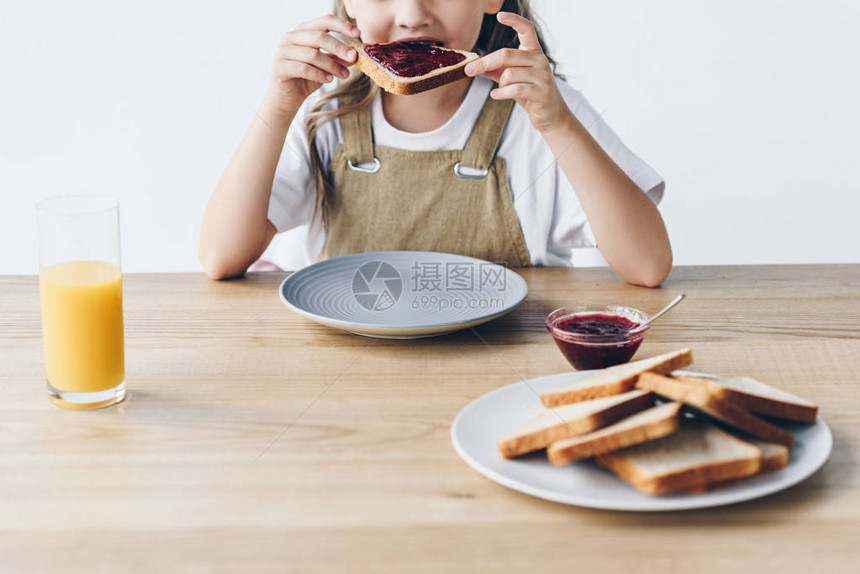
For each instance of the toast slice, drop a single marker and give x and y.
(572, 420)
(396, 56)
(697, 393)
(643, 426)
(697, 455)
(759, 398)
(615, 380)
(773, 457)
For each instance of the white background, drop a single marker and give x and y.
(749, 109)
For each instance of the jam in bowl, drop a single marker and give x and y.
(597, 336)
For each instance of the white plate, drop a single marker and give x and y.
(403, 294)
(486, 419)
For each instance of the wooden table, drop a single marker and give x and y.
(254, 440)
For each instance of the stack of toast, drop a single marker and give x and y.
(663, 433)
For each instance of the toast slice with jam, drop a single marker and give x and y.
(406, 68)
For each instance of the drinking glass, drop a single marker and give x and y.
(80, 283)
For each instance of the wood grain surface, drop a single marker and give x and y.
(254, 440)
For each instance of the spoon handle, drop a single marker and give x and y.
(674, 302)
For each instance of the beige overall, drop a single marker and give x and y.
(389, 199)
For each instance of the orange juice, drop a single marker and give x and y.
(82, 326)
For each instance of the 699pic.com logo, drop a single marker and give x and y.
(377, 286)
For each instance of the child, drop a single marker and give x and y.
(520, 172)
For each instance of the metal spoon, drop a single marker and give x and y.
(665, 309)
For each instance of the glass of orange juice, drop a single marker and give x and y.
(80, 284)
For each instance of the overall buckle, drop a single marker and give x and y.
(471, 173)
(363, 167)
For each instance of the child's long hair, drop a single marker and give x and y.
(357, 91)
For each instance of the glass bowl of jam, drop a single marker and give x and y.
(597, 336)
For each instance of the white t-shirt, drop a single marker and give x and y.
(549, 212)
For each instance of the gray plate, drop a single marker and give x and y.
(403, 294)
(482, 422)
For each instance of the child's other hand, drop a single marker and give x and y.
(524, 75)
(301, 66)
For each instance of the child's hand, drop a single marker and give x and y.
(301, 67)
(524, 75)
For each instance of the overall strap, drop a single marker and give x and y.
(487, 133)
(357, 136)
